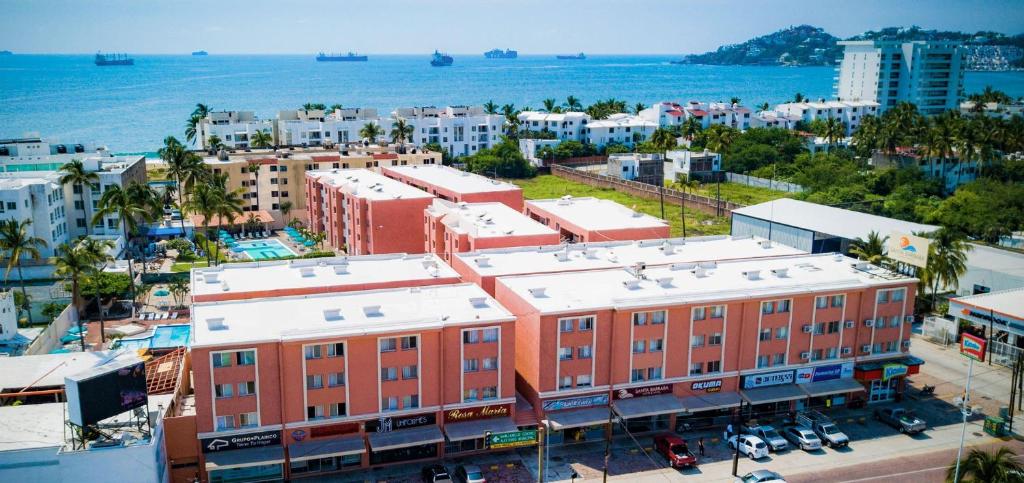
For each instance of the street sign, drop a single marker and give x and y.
(973, 346)
(512, 439)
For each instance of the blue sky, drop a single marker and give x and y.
(415, 26)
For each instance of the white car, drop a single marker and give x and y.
(752, 446)
(761, 476)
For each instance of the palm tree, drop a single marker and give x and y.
(734, 100)
(573, 104)
(260, 139)
(131, 205)
(98, 251)
(551, 105)
(865, 138)
(335, 107)
(75, 174)
(285, 207)
(371, 131)
(178, 288)
(490, 107)
(719, 138)
(691, 126)
(833, 131)
(871, 250)
(200, 112)
(314, 106)
(17, 241)
(638, 107)
(402, 132)
(214, 144)
(982, 466)
(511, 119)
(947, 261)
(74, 262)
(799, 98)
(229, 206)
(763, 107)
(204, 202)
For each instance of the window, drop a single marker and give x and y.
(408, 342)
(335, 410)
(247, 388)
(897, 295)
(245, 358)
(410, 372)
(225, 423)
(656, 345)
(335, 379)
(470, 365)
(565, 353)
(223, 390)
(783, 306)
(766, 335)
(890, 346)
(894, 321)
(658, 317)
(389, 403)
(584, 352)
(714, 366)
(781, 333)
(639, 346)
(699, 313)
(566, 325)
(821, 302)
(387, 345)
(717, 311)
(837, 300)
(762, 361)
(314, 381)
(653, 373)
(314, 412)
(767, 308)
(819, 328)
(490, 335)
(471, 336)
(715, 339)
(489, 392)
(883, 296)
(336, 350)
(490, 363)
(779, 359)
(877, 348)
(411, 401)
(640, 318)
(248, 420)
(565, 383)
(696, 369)
(313, 352)
(697, 341)
(586, 323)
(583, 380)
(833, 327)
(389, 374)
(832, 353)
(469, 395)
(637, 375)
(222, 359)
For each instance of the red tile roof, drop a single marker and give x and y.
(385, 156)
(325, 158)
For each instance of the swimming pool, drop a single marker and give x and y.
(264, 249)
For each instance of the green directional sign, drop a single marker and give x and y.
(512, 439)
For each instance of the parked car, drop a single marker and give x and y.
(767, 433)
(824, 427)
(901, 419)
(435, 474)
(675, 450)
(749, 445)
(760, 476)
(469, 474)
(802, 438)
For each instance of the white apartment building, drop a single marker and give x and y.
(40, 199)
(300, 127)
(664, 114)
(462, 130)
(993, 109)
(929, 74)
(683, 165)
(566, 126)
(530, 148)
(625, 129)
(233, 128)
(774, 119)
(720, 113)
(851, 113)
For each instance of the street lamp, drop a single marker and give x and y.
(965, 411)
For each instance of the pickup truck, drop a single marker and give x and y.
(823, 426)
(900, 419)
(770, 436)
(675, 450)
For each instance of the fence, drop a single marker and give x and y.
(763, 183)
(1004, 354)
(702, 203)
(939, 330)
(49, 339)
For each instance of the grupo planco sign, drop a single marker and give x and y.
(479, 412)
(632, 392)
(240, 441)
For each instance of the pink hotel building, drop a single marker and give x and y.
(595, 220)
(461, 227)
(455, 185)
(688, 342)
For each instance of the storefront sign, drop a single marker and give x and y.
(481, 412)
(240, 441)
(642, 391)
(298, 435)
(907, 248)
(985, 317)
(713, 385)
(768, 379)
(973, 346)
(824, 373)
(890, 371)
(334, 430)
(576, 402)
(512, 439)
(389, 424)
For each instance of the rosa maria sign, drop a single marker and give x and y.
(973, 346)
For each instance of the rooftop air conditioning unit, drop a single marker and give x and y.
(372, 310)
(807, 328)
(332, 314)
(210, 277)
(869, 322)
(780, 272)
(752, 274)
(866, 348)
(805, 355)
(668, 248)
(483, 261)
(765, 243)
(306, 271)
(849, 324)
(341, 269)
(700, 272)
(478, 302)
(906, 344)
(846, 351)
(538, 292)
(631, 284)
(562, 255)
(665, 282)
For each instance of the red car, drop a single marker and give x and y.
(675, 450)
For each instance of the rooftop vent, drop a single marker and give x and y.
(752, 274)
(590, 253)
(482, 261)
(765, 243)
(562, 255)
(538, 292)
(631, 284)
(332, 314)
(665, 282)
(372, 311)
(215, 323)
(700, 272)
(224, 286)
(478, 302)
(780, 272)
(668, 248)
(210, 277)
(682, 266)
(565, 200)
(341, 269)
(306, 271)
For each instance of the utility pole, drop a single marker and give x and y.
(737, 421)
(541, 449)
(661, 193)
(964, 411)
(607, 443)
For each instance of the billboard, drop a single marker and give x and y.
(105, 391)
(909, 249)
(240, 441)
(973, 346)
(768, 379)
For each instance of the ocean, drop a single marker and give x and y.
(131, 109)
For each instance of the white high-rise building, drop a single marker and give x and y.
(625, 129)
(233, 128)
(566, 126)
(462, 130)
(929, 74)
(316, 128)
(40, 199)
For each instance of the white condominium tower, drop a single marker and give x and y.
(927, 73)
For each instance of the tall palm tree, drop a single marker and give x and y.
(833, 131)
(865, 138)
(74, 173)
(335, 107)
(73, 262)
(982, 466)
(204, 202)
(871, 250)
(401, 131)
(255, 169)
(16, 241)
(573, 104)
(229, 206)
(260, 139)
(734, 100)
(551, 105)
(763, 107)
(214, 143)
(511, 119)
(99, 252)
(371, 131)
(719, 138)
(947, 261)
(285, 207)
(490, 107)
(691, 126)
(131, 205)
(798, 97)
(200, 112)
(638, 107)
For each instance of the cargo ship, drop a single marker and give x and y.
(501, 54)
(578, 56)
(199, 53)
(350, 57)
(113, 59)
(441, 60)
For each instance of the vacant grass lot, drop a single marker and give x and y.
(697, 223)
(740, 193)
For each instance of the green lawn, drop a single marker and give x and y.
(697, 223)
(186, 266)
(741, 193)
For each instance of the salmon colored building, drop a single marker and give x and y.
(595, 220)
(455, 185)
(306, 385)
(680, 346)
(364, 212)
(482, 267)
(461, 227)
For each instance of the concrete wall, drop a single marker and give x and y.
(50, 338)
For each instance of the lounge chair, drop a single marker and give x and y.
(174, 315)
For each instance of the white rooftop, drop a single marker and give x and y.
(597, 214)
(551, 116)
(240, 278)
(490, 219)
(827, 219)
(614, 254)
(996, 259)
(32, 426)
(345, 314)
(20, 182)
(707, 282)
(47, 370)
(1006, 302)
(622, 119)
(452, 179)
(368, 184)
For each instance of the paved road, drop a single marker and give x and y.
(947, 369)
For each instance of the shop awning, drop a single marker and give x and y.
(637, 407)
(765, 395)
(477, 429)
(828, 388)
(711, 402)
(875, 365)
(405, 438)
(579, 418)
(241, 458)
(307, 450)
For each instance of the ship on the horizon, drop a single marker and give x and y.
(350, 57)
(199, 53)
(441, 60)
(578, 56)
(113, 59)
(501, 54)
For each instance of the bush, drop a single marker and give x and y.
(109, 285)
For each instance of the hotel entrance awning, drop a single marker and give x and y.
(638, 407)
(241, 458)
(477, 429)
(711, 402)
(766, 395)
(308, 450)
(405, 438)
(579, 418)
(834, 386)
